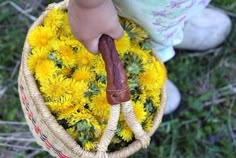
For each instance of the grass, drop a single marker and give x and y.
(203, 126)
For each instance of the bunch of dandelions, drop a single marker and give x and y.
(72, 81)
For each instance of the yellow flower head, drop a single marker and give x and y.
(65, 54)
(37, 56)
(55, 18)
(40, 36)
(148, 124)
(77, 90)
(61, 104)
(84, 58)
(55, 86)
(152, 78)
(142, 54)
(66, 113)
(123, 44)
(139, 111)
(83, 74)
(83, 114)
(155, 96)
(73, 43)
(99, 65)
(143, 96)
(125, 133)
(65, 71)
(66, 30)
(99, 106)
(161, 70)
(136, 33)
(89, 146)
(45, 69)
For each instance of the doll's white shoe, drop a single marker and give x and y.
(173, 98)
(206, 30)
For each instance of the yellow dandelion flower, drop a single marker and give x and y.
(142, 97)
(66, 27)
(73, 43)
(53, 106)
(147, 79)
(142, 54)
(126, 134)
(83, 74)
(81, 114)
(61, 104)
(36, 57)
(72, 132)
(77, 90)
(89, 146)
(152, 78)
(155, 96)
(66, 54)
(139, 111)
(45, 69)
(99, 106)
(55, 86)
(135, 32)
(55, 18)
(52, 45)
(66, 20)
(40, 36)
(85, 115)
(84, 58)
(148, 124)
(99, 65)
(66, 113)
(161, 70)
(123, 44)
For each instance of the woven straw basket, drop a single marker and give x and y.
(53, 137)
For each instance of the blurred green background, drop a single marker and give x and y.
(203, 126)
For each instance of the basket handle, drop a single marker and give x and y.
(117, 80)
(117, 87)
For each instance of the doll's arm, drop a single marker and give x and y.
(89, 19)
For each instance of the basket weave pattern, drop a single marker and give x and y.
(53, 137)
(35, 128)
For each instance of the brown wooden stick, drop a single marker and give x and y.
(117, 80)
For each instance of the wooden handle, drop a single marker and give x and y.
(117, 80)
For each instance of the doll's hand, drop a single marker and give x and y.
(89, 19)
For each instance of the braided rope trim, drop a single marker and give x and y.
(37, 130)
